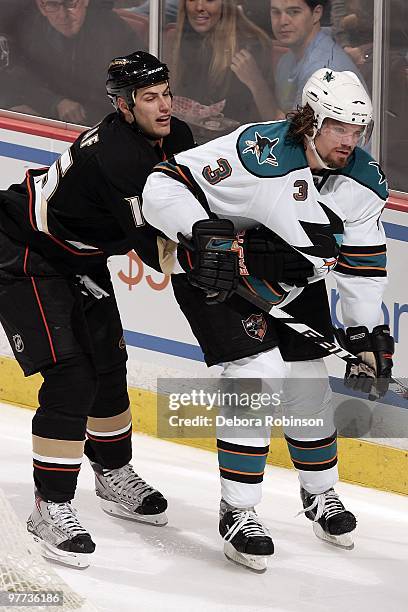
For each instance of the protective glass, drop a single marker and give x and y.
(53, 6)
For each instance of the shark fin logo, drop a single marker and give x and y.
(262, 148)
(382, 179)
(325, 237)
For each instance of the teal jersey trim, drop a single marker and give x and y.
(366, 171)
(263, 151)
(377, 261)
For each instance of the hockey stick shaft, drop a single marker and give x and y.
(332, 348)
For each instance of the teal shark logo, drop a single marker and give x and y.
(262, 148)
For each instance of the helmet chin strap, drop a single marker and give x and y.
(312, 145)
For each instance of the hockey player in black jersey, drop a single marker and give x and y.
(58, 307)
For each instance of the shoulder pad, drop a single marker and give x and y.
(262, 150)
(368, 172)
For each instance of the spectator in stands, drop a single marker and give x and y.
(219, 57)
(297, 25)
(68, 45)
(15, 81)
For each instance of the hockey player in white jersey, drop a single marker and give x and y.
(308, 180)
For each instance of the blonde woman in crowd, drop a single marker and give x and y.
(220, 59)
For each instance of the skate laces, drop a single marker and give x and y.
(64, 516)
(326, 504)
(127, 484)
(248, 522)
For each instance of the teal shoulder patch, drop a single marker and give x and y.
(263, 152)
(368, 172)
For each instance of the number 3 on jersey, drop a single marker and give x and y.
(302, 190)
(220, 173)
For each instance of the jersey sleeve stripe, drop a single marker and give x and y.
(30, 201)
(363, 261)
(364, 254)
(355, 267)
(364, 250)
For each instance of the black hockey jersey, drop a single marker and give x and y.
(87, 205)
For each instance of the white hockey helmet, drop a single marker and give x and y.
(338, 95)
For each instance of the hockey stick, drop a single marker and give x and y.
(331, 348)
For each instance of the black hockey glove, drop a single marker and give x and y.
(375, 349)
(269, 257)
(208, 259)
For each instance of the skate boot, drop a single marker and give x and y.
(331, 521)
(247, 540)
(57, 530)
(124, 494)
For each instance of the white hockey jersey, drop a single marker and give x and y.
(255, 176)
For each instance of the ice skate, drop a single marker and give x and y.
(247, 540)
(331, 521)
(124, 494)
(61, 537)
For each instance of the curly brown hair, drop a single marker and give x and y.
(302, 123)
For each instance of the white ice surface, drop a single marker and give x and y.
(180, 567)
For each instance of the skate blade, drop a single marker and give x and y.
(118, 510)
(64, 557)
(255, 563)
(342, 541)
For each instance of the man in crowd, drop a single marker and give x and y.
(67, 45)
(58, 229)
(296, 24)
(307, 180)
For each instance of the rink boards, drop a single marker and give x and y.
(160, 342)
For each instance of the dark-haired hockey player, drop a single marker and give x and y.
(58, 307)
(306, 179)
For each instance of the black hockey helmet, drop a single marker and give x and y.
(129, 72)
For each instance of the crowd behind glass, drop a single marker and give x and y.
(232, 61)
